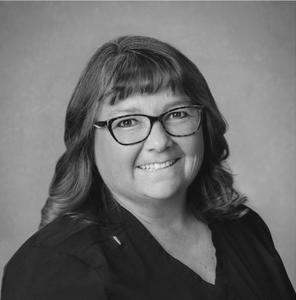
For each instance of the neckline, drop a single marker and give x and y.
(138, 231)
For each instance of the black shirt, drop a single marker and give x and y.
(71, 260)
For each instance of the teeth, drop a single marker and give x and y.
(157, 166)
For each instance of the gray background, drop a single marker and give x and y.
(245, 50)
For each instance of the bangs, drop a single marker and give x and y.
(135, 73)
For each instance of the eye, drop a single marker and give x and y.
(178, 114)
(125, 123)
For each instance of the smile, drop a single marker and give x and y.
(158, 166)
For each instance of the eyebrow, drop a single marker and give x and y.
(167, 107)
(177, 103)
(128, 110)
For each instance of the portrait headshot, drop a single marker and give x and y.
(148, 150)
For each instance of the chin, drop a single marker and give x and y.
(163, 192)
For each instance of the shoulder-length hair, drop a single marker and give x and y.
(120, 68)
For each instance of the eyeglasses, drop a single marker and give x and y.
(135, 128)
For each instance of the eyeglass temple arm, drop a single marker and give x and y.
(101, 124)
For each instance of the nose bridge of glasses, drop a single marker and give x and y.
(154, 119)
(158, 135)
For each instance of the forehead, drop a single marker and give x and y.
(152, 104)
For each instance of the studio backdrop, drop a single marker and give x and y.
(246, 50)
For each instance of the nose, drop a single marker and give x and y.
(158, 140)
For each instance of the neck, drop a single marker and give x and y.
(161, 214)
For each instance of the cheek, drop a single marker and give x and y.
(113, 160)
(194, 155)
(105, 157)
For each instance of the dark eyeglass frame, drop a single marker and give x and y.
(152, 119)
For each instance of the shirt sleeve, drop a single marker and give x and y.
(43, 275)
(277, 270)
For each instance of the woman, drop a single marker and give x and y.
(141, 205)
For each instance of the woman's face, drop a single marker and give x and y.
(135, 173)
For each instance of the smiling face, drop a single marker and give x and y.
(158, 169)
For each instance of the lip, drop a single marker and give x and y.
(151, 166)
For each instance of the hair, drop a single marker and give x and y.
(120, 68)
